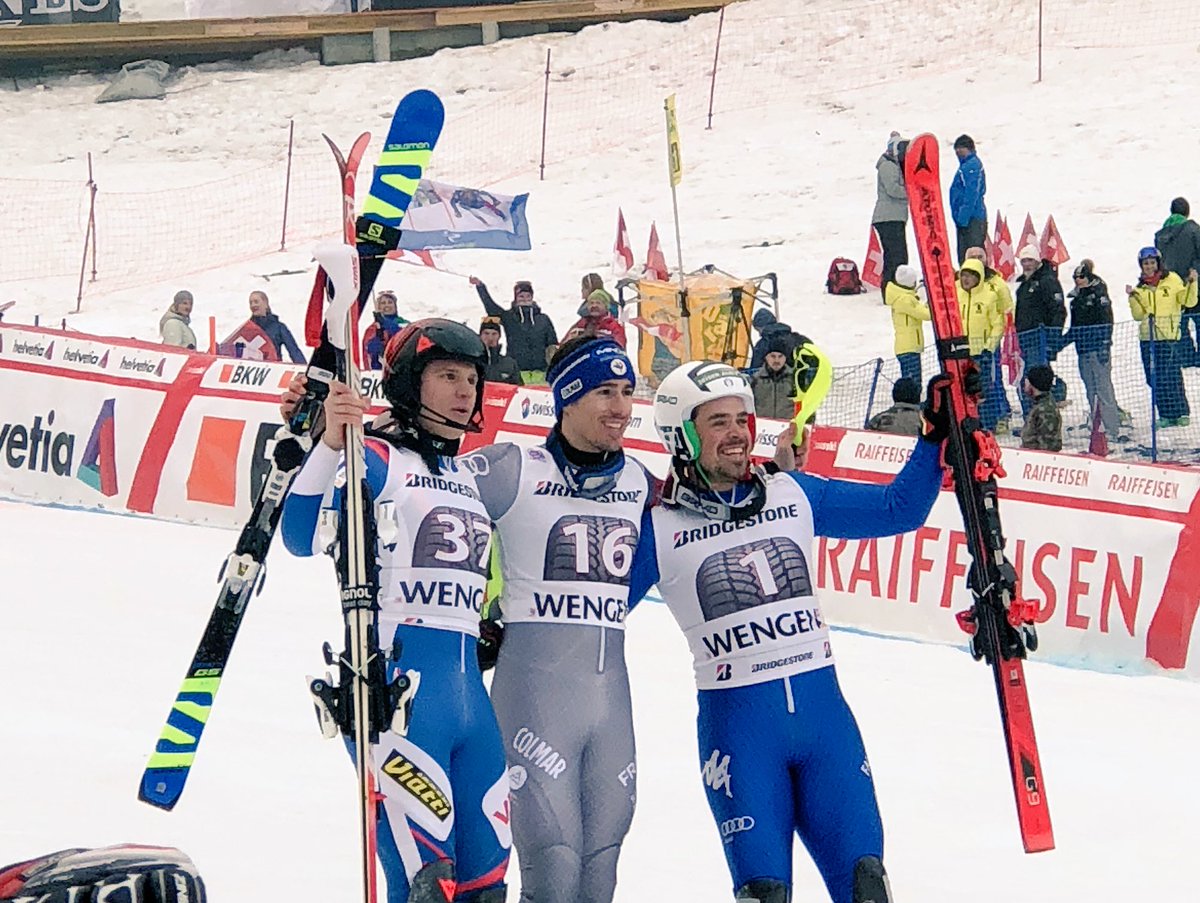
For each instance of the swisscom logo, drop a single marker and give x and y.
(40, 448)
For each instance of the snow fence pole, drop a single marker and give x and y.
(712, 86)
(545, 113)
(287, 185)
(89, 236)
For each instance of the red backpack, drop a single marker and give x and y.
(843, 277)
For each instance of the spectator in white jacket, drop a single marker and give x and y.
(175, 325)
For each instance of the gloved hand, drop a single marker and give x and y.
(120, 874)
(935, 414)
(487, 649)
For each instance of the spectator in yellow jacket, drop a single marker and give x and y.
(1004, 298)
(995, 282)
(984, 325)
(908, 313)
(1162, 295)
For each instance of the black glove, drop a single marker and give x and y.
(935, 414)
(487, 649)
(128, 874)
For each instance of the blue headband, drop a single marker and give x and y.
(587, 367)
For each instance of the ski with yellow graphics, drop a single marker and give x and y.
(414, 131)
(406, 152)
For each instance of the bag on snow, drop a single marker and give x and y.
(843, 278)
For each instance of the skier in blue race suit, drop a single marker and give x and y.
(730, 546)
(444, 823)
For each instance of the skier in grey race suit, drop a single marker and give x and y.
(567, 516)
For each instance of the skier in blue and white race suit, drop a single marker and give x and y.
(444, 826)
(779, 750)
(567, 514)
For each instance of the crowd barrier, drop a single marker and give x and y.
(1106, 549)
(860, 391)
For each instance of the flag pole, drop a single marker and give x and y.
(675, 171)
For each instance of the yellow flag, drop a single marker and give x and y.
(674, 160)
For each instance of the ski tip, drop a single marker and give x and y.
(161, 788)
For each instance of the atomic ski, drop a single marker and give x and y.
(999, 622)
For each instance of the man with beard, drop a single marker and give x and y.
(729, 547)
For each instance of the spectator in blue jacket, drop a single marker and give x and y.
(967, 197)
(387, 323)
(274, 328)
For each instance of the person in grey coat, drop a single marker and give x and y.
(891, 207)
(773, 384)
(175, 325)
(1179, 243)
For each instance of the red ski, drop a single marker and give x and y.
(1000, 623)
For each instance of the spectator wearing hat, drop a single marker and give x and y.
(984, 326)
(995, 282)
(1179, 243)
(908, 313)
(597, 320)
(967, 192)
(1091, 333)
(1160, 297)
(529, 332)
(175, 325)
(770, 328)
(387, 323)
(772, 383)
(1040, 312)
(1043, 423)
(903, 418)
(500, 368)
(590, 284)
(891, 208)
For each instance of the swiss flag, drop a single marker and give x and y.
(1029, 235)
(1004, 255)
(1052, 245)
(416, 258)
(872, 268)
(656, 263)
(622, 249)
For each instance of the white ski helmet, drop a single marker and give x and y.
(685, 389)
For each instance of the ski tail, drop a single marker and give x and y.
(1000, 624)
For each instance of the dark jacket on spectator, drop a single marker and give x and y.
(1179, 244)
(280, 336)
(769, 328)
(1039, 300)
(502, 369)
(527, 331)
(901, 419)
(773, 393)
(1091, 318)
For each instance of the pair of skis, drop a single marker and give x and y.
(1000, 623)
(347, 276)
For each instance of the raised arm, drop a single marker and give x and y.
(847, 510)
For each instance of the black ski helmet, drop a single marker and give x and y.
(417, 345)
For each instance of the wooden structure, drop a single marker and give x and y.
(340, 38)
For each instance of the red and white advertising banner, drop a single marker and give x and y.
(1107, 550)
